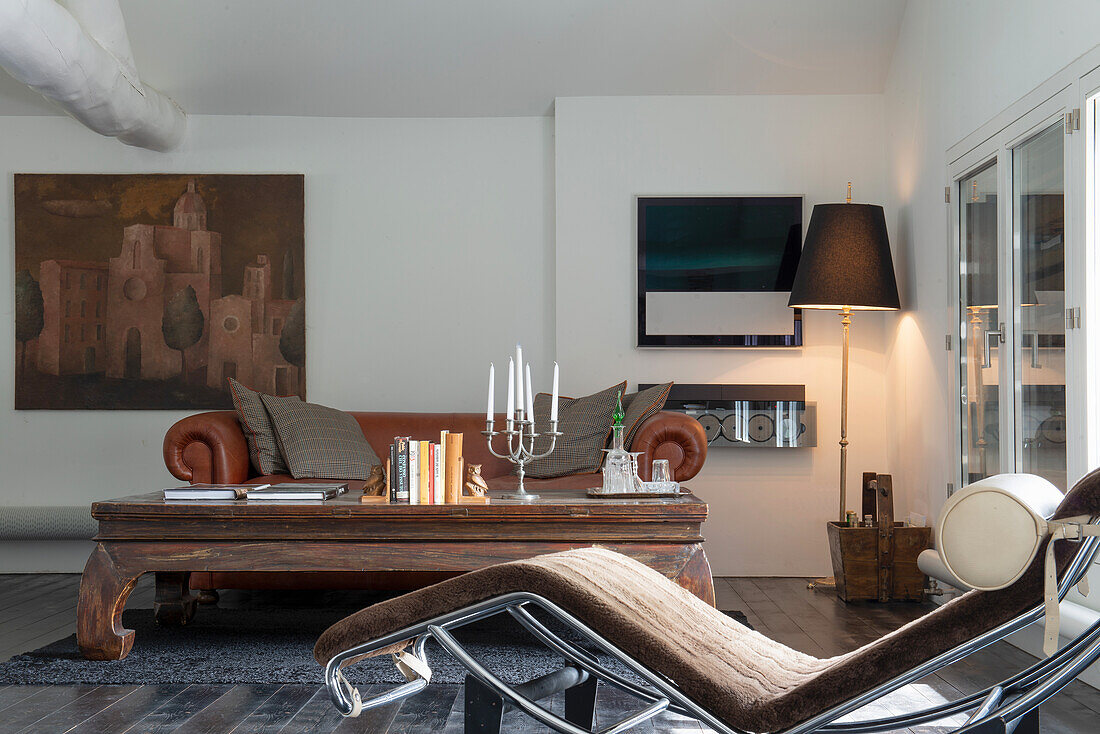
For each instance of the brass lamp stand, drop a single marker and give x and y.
(846, 265)
(829, 583)
(846, 321)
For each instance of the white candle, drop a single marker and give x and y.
(530, 399)
(511, 391)
(554, 396)
(519, 380)
(492, 380)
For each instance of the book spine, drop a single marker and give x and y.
(414, 472)
(437, 471)
(440, 493)
(413, 499)
(407, 474)
(453, 469)
(424, 472)
(414, 469)
(389, 473)
(402, 467)
(431, 472)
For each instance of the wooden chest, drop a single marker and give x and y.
(879, 562)
(856, 563)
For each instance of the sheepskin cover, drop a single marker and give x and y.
(745, 679)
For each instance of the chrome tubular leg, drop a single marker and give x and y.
(529, 707)
(585, 660)
(343, 695)
(484, 709)
(499, 687)
(992, 701)
(1034, 698)
(346, 697)
(631, 721)
(940, 661)
(665, 688)
(1021, 681)
(1078, 566)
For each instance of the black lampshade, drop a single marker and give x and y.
(846, 261)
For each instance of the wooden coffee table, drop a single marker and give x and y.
(143, 534)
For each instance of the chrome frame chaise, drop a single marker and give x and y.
(1009, 706)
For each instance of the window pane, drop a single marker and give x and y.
(979, 344)
(1039, 282)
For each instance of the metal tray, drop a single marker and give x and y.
(671, 492)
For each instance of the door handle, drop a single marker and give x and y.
(1000, 334)
(1033, 337)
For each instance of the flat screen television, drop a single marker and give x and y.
(716, 271)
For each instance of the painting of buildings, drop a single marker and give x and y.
(149, 291)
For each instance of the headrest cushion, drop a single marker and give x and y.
(989, 532)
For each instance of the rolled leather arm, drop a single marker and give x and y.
(207, 447)
(673, 436)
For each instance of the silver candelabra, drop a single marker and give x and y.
(521, 448)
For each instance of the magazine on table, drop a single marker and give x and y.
(299, 491)
(285, 491)
(211, 491)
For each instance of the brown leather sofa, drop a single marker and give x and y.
(210, 447)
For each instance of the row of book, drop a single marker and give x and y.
(283, 492)
(425, 473)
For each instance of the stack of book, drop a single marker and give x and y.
(426, 473)
(286, 491)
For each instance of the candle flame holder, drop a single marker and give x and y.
(521, 437)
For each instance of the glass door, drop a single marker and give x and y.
(981, 332)
(1039, 304)
(1018, 388)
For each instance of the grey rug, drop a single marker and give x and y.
(267, 646)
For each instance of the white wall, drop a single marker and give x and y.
(956, 66)
(428, 238)
(768, 507)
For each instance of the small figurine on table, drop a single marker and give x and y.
(376, 488)
(475, 484)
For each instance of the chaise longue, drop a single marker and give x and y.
(697, 662)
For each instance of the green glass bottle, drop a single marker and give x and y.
(618, 416)
(617, 423)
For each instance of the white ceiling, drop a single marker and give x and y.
(442, 58)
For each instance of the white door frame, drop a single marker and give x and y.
(1037, 114)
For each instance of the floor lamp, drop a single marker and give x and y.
(846, 266)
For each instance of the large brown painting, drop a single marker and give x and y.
(148, 291)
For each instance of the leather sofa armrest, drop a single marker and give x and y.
(673, 436)
(207, 447)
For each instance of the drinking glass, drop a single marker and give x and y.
(633, 481)
(661, 472)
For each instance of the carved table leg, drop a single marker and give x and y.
(695, 576)
(104, 588)
(173, 605)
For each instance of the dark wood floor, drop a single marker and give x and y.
(35, 610)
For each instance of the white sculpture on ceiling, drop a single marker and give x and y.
(79, 56)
